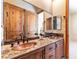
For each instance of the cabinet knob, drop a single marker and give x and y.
(50, 48)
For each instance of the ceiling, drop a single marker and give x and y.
(72, 6)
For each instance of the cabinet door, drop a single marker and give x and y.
(59, 50)
(27, 57)
(6, 21)
(13, 21)
(38, 55)
(32, 56)
(50, 51)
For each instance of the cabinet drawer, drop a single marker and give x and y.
(50, 48)
(61, 42)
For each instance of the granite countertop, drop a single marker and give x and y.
(8, 53)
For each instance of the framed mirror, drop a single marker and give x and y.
(24, 19)
(57, 22)
(48, 22)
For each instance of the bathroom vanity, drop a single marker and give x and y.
(22, 23)
(44, 49)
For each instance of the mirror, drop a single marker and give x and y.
(57, 22)
(24, 20)
(48, 22)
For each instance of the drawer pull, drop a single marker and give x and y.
(50, 56)
(50, 48)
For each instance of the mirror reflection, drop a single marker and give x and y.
(48, 22)
(57, 22)
(20, 23)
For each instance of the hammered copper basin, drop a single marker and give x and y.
(24, 46)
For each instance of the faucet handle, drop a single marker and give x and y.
(12, 44)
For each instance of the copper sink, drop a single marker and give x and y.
(24, 46)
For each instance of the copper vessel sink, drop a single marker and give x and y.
(24, 46)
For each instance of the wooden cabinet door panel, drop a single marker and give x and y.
(33, 55)
(6, 21)
(13, 21)
(38, 55)
(27, 57)
(59, 50)
(50, 51)
(12, 18)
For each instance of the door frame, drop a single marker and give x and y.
(67, 30)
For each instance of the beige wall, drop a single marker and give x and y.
(58, 7)
(73, 27)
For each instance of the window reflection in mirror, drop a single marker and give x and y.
(57, 22)
(40, 22)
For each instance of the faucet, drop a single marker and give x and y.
(22, 37)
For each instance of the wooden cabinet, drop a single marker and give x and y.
(6, 21)
(37, 54)
(59, 49)
(31, 56)
(13, 21)
(18, 20)
(50, 51)
(51, 55)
